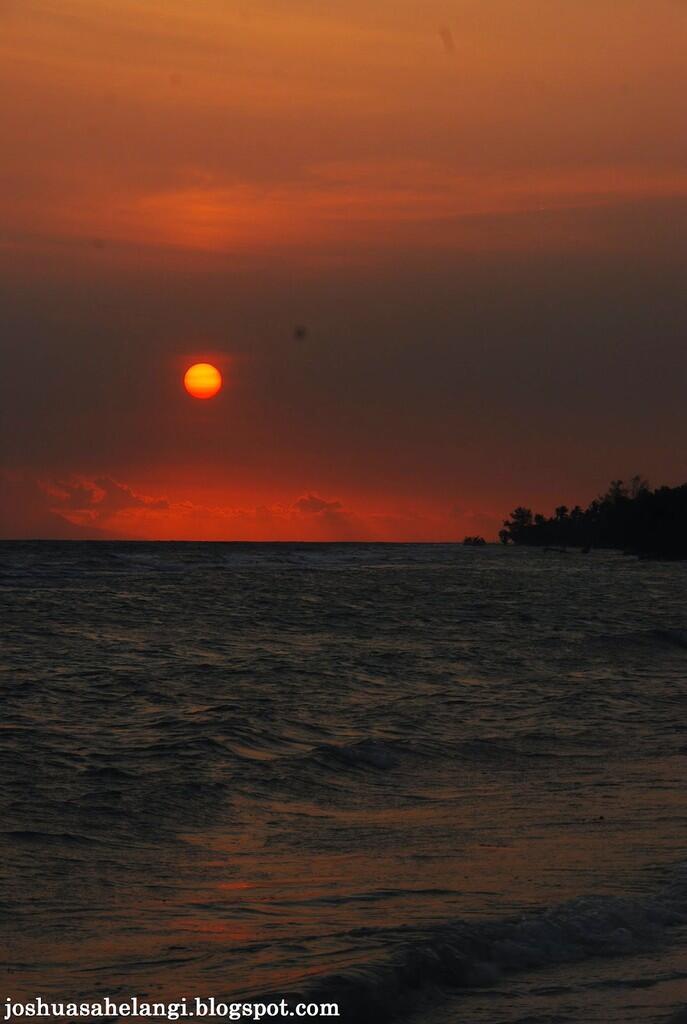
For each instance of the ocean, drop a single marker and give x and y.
(433, 783)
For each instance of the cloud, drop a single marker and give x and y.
(87, 501)
(117, 508)
(100, 507)
(71, 495)
(330, 519)
(25, 512)
(117, 496)
(312, 504)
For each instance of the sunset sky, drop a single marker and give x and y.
(476, 208)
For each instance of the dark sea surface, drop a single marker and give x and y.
(421, 779)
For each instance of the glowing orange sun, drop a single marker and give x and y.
(202, 380)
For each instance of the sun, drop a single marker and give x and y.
(202, 380)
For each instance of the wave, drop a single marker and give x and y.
(493, 750)
(41, 838)
(376, 758)
(671, 637)
(651, 639)
(366, 753)
(464, 955)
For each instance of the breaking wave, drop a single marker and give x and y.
(465, 955)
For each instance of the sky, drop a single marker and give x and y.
(477, 209)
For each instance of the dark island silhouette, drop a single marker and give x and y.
(628, 517)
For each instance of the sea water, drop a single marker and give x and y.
(417, 779)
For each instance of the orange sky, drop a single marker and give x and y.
(476, 208)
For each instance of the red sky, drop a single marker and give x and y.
(477, 209)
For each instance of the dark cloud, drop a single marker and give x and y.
(73, 495)
(332, 519)
(97, 499)
(115, 496)
(448, 41)
(26, 512)
(311, 504)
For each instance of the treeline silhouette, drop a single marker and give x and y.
(628, 517)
